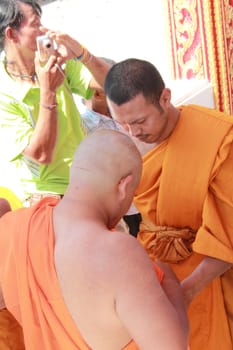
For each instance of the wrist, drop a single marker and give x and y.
(48, 97)
(84, 57)
(190, 289)
(49, 106)
(80, 56)
(48, 101)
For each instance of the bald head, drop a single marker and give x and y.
(106, 156)
(104, 175)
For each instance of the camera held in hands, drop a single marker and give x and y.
(46, 47)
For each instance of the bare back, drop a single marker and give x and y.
(103, 281)
(85, 265)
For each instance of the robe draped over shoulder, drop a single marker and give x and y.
(186, 202)
(29, 281)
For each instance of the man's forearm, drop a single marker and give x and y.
(44, 138)
(99, 69)
(172, 289)
(206, 271)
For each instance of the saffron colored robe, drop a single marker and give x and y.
(185, 198)
(29, 280)
(11, 335)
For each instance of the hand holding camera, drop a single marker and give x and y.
(64, 46)
(46, 47)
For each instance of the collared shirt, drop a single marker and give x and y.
(92, 120)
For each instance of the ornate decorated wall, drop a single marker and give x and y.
(201, 39)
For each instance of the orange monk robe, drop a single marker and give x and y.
(29, 280)
(11, 336)
(185, 194)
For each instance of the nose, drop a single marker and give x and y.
(133, 130)
(40, 25)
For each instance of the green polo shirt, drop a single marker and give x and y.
(19, 108)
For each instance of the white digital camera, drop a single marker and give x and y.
(46, 47)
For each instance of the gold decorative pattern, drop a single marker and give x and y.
(202, 44)
(187, 43)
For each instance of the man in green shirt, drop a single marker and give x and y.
(39, 121)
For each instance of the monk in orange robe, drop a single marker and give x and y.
(185, 195)
(11, 335)
(74, 283)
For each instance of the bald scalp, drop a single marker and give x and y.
(106, 154)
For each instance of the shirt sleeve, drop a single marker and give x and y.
(215, 236)
(15, 129)
(78, 78)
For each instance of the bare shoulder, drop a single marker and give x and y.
(109, 256)
(128, 256)
(123, 243)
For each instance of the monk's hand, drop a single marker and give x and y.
(204, 273)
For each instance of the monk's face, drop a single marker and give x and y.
(141, 118)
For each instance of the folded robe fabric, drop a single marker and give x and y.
(11, 336)
(185, 202)
(29, 280)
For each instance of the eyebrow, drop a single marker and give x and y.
(130, 123)
(135, 121)
(138, 120)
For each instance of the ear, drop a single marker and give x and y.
(98, 95)
(123, 186)
(11, 34)
(165, 98)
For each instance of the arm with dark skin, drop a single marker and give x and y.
(217, 216)
(205, 272)
(50, 77)
(43, 139)
(69, 48)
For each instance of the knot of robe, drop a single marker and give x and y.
(170, 244)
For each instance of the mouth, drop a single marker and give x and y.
(142, 137)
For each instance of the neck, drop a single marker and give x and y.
(76, 206)
(20, 69)
(23, 76)
(173, 117)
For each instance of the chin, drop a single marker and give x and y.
(145, 139)
(112, 224)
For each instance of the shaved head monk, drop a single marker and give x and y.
(72, 280)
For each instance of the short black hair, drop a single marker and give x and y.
(131, 77)
(11, 15)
